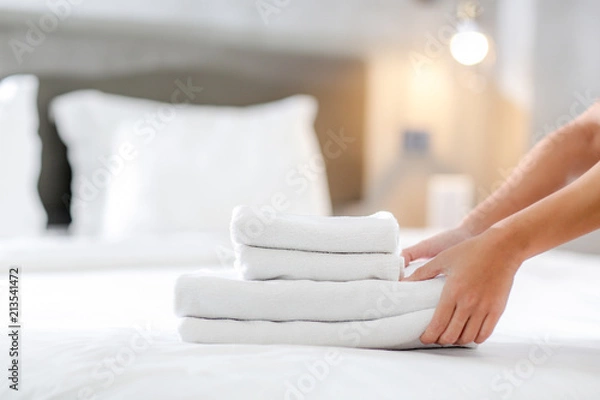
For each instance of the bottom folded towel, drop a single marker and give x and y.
(393, 333)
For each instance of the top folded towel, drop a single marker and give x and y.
(377, 233)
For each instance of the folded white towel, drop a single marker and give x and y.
(400, 332)
(202, 296)
(258, 263)
(377, 233)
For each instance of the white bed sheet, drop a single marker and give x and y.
(111, 334)
(63, 252)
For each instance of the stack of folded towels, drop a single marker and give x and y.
(331, 281)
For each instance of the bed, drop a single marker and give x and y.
(110, 333)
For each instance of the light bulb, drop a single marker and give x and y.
(469, 47)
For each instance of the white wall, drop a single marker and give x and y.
(515, 40)
(567, 60)
(355, 26)
(566, 70)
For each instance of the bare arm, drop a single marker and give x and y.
(480, 270)
(563, 155)
(565, 215)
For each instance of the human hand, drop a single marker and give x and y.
(431, 247)
(479, 275)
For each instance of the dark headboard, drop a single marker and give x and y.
(228, 76)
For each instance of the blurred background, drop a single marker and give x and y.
(430, 103)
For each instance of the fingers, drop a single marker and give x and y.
(455, 324)
(462, 328)
(459, 322)
(408, 254)
(455, 327)
(419, 250)
(472, 328)
(488, 326)
(441, 318)
(427, 271)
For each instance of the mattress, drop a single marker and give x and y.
(110, 333)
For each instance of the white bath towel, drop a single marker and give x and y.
(202, 296)
(258, 263)
(377, 233)
(400, 332)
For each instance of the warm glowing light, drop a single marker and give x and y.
(469, 47)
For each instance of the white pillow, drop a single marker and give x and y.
(21, 211)
(86, 121)
(206, 160)
(147, 167)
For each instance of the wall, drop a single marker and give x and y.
(349, 26)
(566, 71)
(478, 120)
(515, 38)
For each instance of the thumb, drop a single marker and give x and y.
(414, 252)
(427, 271)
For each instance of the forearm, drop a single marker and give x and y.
(565, 215)
(566, 153)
